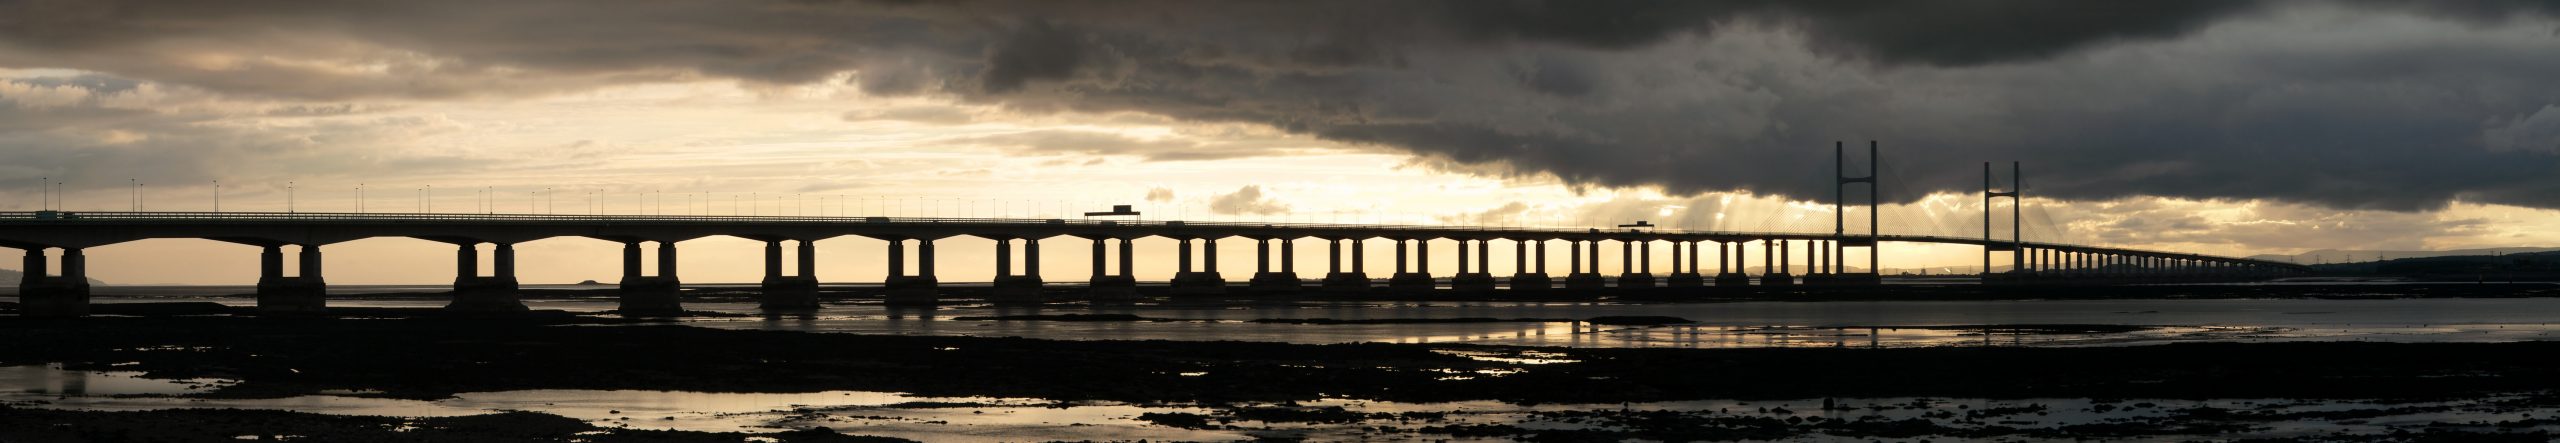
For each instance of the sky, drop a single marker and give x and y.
(2219, 127)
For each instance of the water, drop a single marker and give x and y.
(975, 419)
(1738, 324)
(1718, 325)
(884, 413)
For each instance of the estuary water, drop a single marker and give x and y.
(1711, 324)
(983, 419)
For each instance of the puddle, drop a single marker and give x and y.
(52, 380)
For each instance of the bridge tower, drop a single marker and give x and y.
(2016, 246)
(1833, 270)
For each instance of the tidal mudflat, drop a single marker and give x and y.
(415, 375)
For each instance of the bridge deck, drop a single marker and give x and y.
(89, 229)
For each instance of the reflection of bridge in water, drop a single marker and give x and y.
(48, 237)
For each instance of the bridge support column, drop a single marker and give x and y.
(1586, 272)
(494, 293)
(921, 288)
(1477, 278)
(2028, 267)
(1777, 273)
(800, 292)
(1106, 286)
(1730, 269)
(1189, 281)
(1284, 281)
(303, 293)
(1418, 277)
(1636, 271)
(1011, 288)
(66, 295)
(648, 296)
(1813, 267)
(1684, 265)
(1338, 280)
(1527, 278)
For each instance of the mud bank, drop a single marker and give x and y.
(436, 357)
(222, 425)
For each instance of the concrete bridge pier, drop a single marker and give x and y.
(650, 295)
(1108, 287)
(1774, 253)
(1203, 281)
(1527, 278)
(1635, 271)
(1684, 266)
(1013, 288)
(65, 295)
(1817, 264)
(1264, 279)
(496, 292)
(1586, 273)
(1730, 271)
(303, 293)
(1418, 277)
(1356, 280)
(799, 291)
(921, 288)
(1476, 276)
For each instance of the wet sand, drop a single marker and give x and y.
(422, 354)
(228, 425)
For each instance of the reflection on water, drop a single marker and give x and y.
(46, 380)
(1718, 325)
(868, 413)
(997, 419)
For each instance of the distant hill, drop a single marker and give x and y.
(2535, 265)
(12, 276)
(2358, 255)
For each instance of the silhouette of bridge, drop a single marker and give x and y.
(64, 292)
(61, 289)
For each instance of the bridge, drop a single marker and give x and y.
(62, 289)
(912, 277)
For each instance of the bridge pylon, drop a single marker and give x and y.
(2016, 246)
(1832, 268)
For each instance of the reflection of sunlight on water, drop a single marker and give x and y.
(997, 419)
(870, 413)
(1523, 356)
(1719, 325)
(52, 380)
(1007, 423)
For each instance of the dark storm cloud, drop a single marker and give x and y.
(2391, 105)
